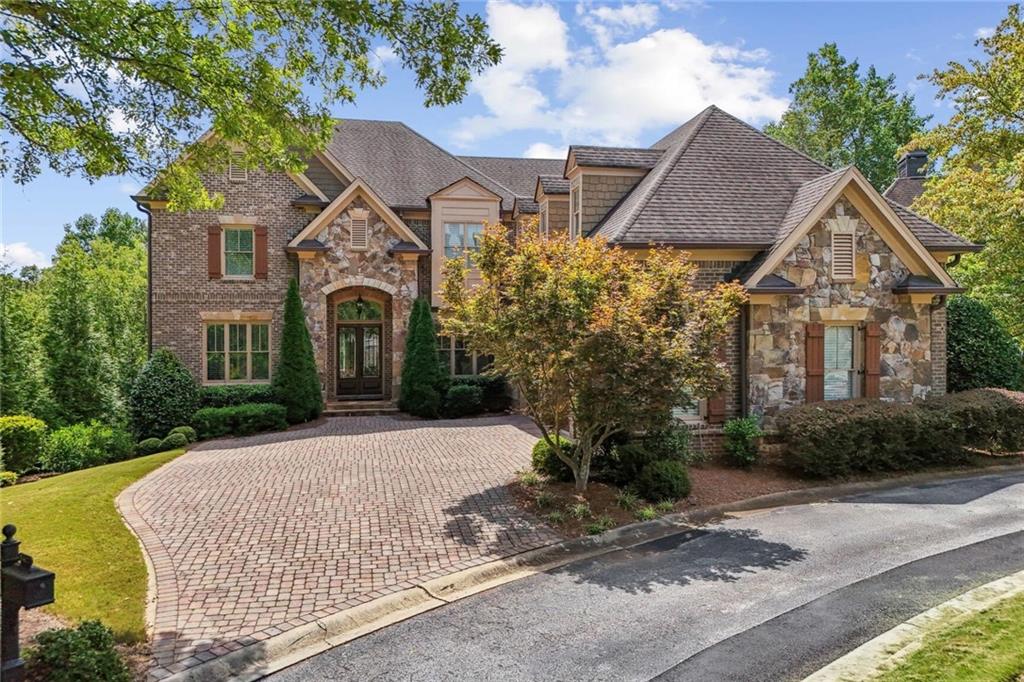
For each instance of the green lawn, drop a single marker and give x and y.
(69, 525)
(987, 647)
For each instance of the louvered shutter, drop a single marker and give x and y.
(213, 239)
(872, 358)
(359, 233)
(259, 234)
(236, 170)
(843, 256)
(815, 362)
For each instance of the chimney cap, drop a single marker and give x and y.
(913, 164)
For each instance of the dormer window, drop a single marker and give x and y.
(237, 171)
(359, 228)
(575, 208)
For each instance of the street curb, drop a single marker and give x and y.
(876, 656)
(280, 651)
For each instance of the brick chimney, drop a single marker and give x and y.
(912, 165)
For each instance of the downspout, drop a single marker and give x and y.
(744, 379)
(149, 276)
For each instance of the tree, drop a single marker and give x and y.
(840, 117)
(121, 86)
(23, 388)
(78, 366)
(979, 193)
(980, 352)
(114, 227)
(423, 382)
(164, 396)
(296, 381)
(594, 339)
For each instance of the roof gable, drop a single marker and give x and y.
(517, 174)
(465, 188)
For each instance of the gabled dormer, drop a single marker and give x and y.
(599, 177)
(458, 215)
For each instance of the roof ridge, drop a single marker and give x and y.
(510, 158)
(666, 165)
(772, 139)
(457, 159)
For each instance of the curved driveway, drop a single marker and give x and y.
(251, 537)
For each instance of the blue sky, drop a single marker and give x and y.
(595, 73)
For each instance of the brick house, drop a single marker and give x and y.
(847, 286)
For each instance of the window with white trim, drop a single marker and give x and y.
(843, 256)
(236, 352)
(461, 240)
(239, 252)
(841, 362)
(576, 208)
(359, 228)
(459, 360)
(237, 172)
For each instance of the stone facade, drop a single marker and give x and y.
(342, 273)
(776, 359)
(601, 193)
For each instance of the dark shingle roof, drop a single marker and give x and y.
(924, 284)
(402, 166)
(806, 198)
(553, 184)
(930, 234)
(526, 205)
(615, 157)
(904, 190)
(518, 174)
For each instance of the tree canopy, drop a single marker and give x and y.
(595, 340)
(841, 117)
(980, 191)
(127, 87)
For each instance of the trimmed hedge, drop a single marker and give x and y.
(546, 462)
(187, 431)
(496, 396)
(173, 442)
(981, 353)
(841, 438)
(163, 396)
(665, 479)
(239, 420)
(150, 446)
(22, 438)
(81, 446)
(226, 396)
(463, 400)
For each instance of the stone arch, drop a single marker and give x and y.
(358, 281)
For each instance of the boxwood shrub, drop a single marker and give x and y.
(226, 396)
(463, 400)
(173, 442)
(187, 431)
(496, 396)
(546, 462)
(239, 420)
(22, 438)
(163, 396)
(665, 479)
(150, 446)
(80, 446)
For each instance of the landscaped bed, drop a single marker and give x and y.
(987, 646)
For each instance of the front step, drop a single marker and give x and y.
(359, 408)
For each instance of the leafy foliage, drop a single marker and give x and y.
(665, 479)
(22, 439)
(224, 396)
(741, 440)
(239, 420)
(979, 194)
(187, 431)
(296, 381)
(81, 446)
(82, 654)
(22, 359)
(114, 88)
(463, 400)
(423, 381)
(496, 397)
(981, 354)
(115, 228)
(8, 478)
(149, 446)
(164, 396)
(590, 335)
(840, 117)
(545, 461)
(174, 441)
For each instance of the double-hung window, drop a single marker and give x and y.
(239, 252)
(575, 208)
(461, 240)
(840, 362)
(459, 360)
(237, 352)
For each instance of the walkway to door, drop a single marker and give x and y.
(254, 536)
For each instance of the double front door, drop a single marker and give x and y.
(359, 361)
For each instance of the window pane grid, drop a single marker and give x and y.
(462, 239)
(839, 361)
(238, 252)
(237, 352)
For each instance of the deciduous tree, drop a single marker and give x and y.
(594, 339)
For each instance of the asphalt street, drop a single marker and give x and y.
(771, 595)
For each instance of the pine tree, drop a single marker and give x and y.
(296, 380)
(423, 382)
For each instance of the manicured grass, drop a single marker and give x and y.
(985, 647)
(69, 525)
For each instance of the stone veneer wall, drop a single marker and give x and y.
(182, 288)
(777, 343)
(601, 193)
(369, 268)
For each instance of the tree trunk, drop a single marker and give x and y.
(583, 475)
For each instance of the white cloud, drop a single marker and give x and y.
(607, 23)
(985, 32)
(382, 55)
(129, 187)
(614, 92)
(19, 254)
(543, 150)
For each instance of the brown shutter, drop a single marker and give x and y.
(872, 358)
(716, 404)
(815, 362)
(259, 234)
(213, 240)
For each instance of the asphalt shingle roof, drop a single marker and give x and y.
(615, 157)
(904, 190)
(554, 184)
(518, 174)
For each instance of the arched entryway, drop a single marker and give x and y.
(359, 347)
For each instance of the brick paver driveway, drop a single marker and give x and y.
(251, 537)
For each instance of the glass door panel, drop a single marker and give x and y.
(371, 352)
(346, 352)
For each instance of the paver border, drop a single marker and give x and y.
(878, 655)
(287, 648)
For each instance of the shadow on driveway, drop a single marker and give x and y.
(963, 491)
